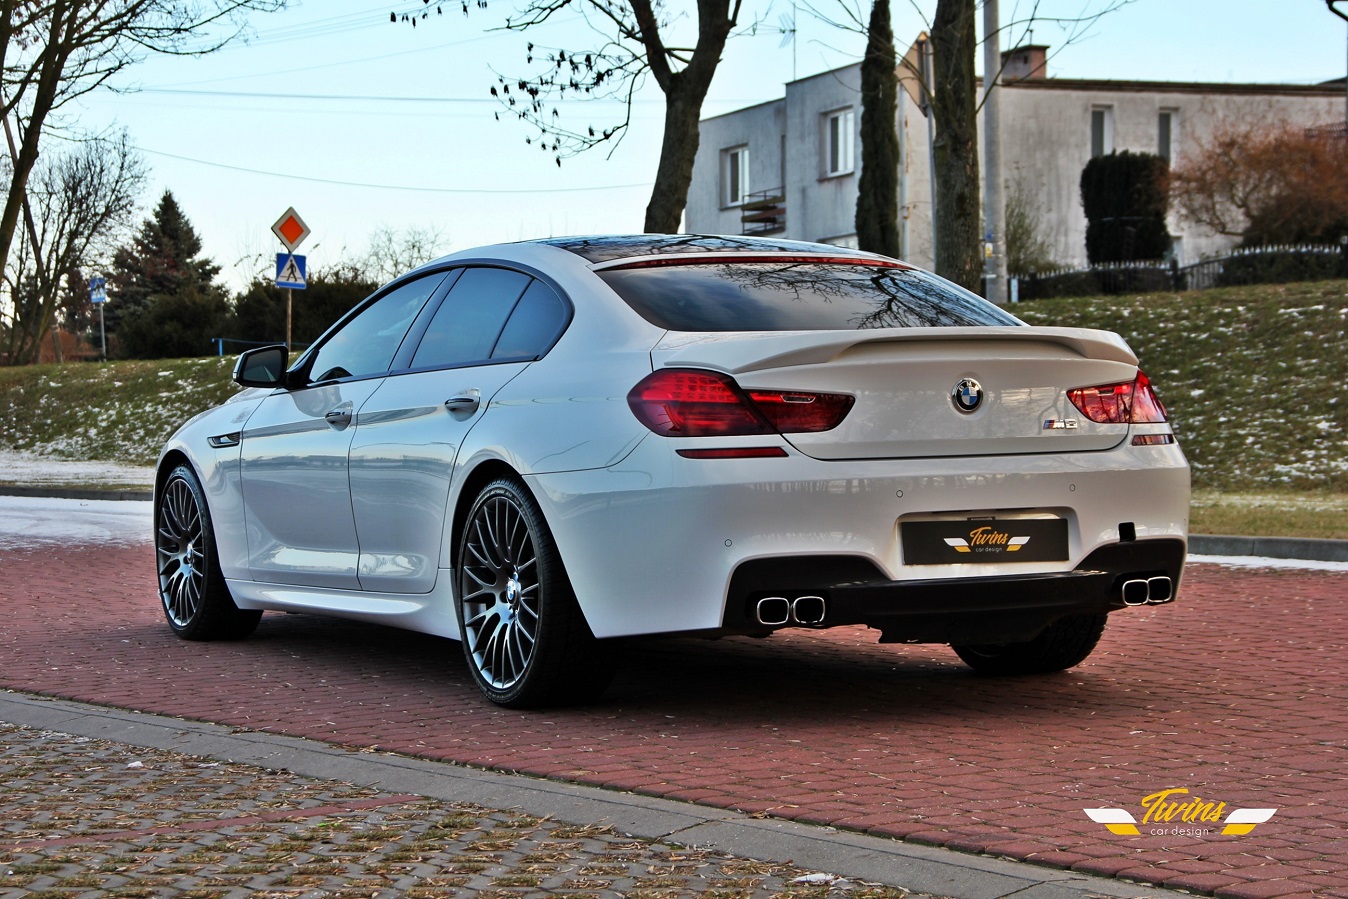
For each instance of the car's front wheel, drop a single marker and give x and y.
(525, 639)
(1063, 644)
(192, 589)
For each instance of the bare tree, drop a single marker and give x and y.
(75, 209)
(632, 42)
(392, 252)
(53, 51)
(1266, 181)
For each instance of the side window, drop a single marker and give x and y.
(468, 322)
(837, 139)
(533, 326)
(365, 345)
(734, 175)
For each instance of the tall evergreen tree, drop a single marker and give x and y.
(959, 219)
(163, 299)
(162, 260)
(877, 218)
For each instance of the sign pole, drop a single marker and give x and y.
(290, 272)
(98, 295)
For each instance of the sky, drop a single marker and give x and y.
(361, 123)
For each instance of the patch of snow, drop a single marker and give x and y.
(31, 521)
(1266, 562)
(29, 469)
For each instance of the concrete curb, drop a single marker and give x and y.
(1303, 548)
(925, 869)
(113, 493)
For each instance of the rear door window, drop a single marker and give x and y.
(538, 318)
(468, 322)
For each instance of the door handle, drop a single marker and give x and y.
(338, 418)
(466, 401)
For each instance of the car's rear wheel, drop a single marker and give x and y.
(1063, 644)
(192, 589)
(526, 641)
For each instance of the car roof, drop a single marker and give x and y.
(610, 248)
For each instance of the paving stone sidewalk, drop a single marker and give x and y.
(89, 817)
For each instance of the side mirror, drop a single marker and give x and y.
(262, 367)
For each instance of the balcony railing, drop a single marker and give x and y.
(763, 212)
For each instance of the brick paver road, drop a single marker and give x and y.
(1235, 693)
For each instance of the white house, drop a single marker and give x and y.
(789, 167)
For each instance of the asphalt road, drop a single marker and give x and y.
(1234, 693)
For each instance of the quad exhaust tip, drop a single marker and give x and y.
(775, 611)
(1148, 591)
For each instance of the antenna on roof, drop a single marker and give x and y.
(786, 24)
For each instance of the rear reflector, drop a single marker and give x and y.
(1132, 402)
(734, 452)
(675, 402)
(1153, 439)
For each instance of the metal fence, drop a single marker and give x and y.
(1250, 265)
(220, 342)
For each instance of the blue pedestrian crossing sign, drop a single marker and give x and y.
(290, 271)
(98, 290)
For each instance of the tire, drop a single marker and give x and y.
(192, 589)
(524, 637)
(1063, 644)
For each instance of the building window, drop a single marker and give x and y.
(734, 175)
(838, 142)
(1102, 131)
(1166, 123)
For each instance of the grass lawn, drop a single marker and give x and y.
(1252, 377)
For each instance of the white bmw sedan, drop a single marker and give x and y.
(541, 447)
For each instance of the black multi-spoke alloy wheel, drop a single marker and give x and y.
(196, 600)
(524, 636)
(1063, 644)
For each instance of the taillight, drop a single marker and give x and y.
(793, 412)
(676, 402)
(1132, 402)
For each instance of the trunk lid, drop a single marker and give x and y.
(905, 381)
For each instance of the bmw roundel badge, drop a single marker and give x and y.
(967, 395)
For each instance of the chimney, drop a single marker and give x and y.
(1025, 63)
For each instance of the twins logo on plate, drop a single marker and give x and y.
(967, 395)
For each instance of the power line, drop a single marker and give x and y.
(406, 187)
(269, 95)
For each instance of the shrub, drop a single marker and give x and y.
(1125, 199)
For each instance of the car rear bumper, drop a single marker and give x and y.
(660, 544)
(836, 591)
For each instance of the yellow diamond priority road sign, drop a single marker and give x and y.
(290, 228)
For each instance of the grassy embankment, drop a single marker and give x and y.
(1253, 379)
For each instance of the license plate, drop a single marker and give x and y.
(985, 540)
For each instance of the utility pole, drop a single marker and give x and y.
(994, 198)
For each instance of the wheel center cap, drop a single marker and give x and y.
(513, 591)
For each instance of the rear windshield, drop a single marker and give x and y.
(797, 296)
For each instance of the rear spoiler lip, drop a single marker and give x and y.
(733, 352)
